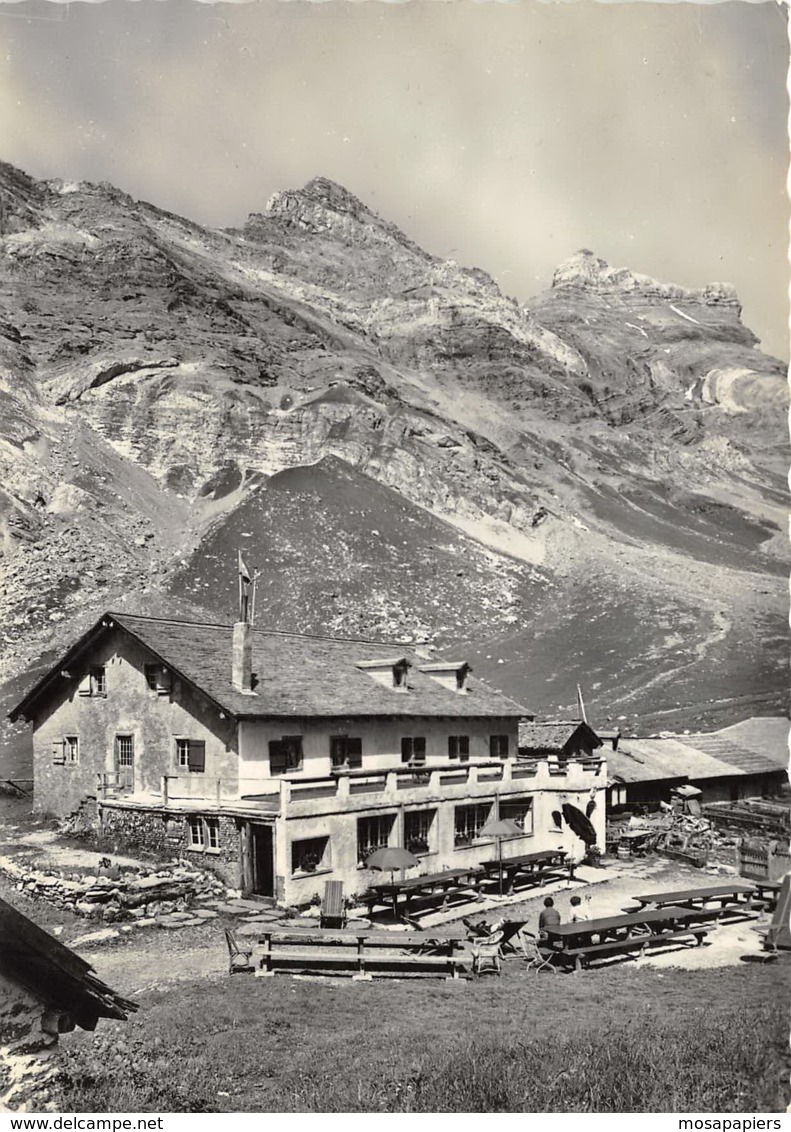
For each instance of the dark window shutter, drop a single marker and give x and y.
(453, 746)
(406, 750)
(197, 755)
(354, 752)
(464, 745)
(277, 756)
(337, 749)
(419, 749)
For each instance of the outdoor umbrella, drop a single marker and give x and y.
(499, 828)
(388, 859)
(579, 824)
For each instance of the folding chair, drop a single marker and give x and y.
(535, 958)
(239, 958)
(486, 953)
(333, 906)
(511, 929)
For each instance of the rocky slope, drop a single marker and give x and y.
(591, 487)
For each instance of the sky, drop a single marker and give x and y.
(505, 136)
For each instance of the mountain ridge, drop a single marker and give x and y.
(158, 375)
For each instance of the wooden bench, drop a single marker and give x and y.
(581, 955)
(363, 953)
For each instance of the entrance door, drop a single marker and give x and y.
(262, 860)
(125, 761)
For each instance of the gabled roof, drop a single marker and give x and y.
(553, 735)
(298, 675)
(54, 973)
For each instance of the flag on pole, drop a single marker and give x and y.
(581, 705)
(244, 573)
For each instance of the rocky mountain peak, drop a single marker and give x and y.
(586, 270)
(324, 207)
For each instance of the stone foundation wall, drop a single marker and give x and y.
(28, 1033)
(168, 835)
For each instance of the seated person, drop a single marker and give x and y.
(577, 911)
(549, 918)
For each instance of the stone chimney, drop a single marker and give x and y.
(242, 657)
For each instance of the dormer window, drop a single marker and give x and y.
(158, 679)
(389, 672)
(450, 674)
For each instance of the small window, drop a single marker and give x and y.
(94, 683)
(417, 830)
(191, 755)
(372, 833)
(212, 831)
(71, 749)
(459, 747)
(158, 679)
(413, 750)
(346, 752)
(197, 839)
(468, 823)
(310, 855)
(498, 746)
(285, 754)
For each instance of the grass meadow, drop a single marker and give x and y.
(628, 1039)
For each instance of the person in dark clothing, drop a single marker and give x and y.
(549, 918)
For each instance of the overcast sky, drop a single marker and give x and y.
(506, 136)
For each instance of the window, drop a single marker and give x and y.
(413, 749)
(309, 855)
(158, 679)
(203, 833)
(459, 747)
(196, 835)
(346, 751)
(498, 746)
(519, 811)
(285, 754)
(469, 821)
(191, 755)
(417, 830)
(71, 749)
(125, 750)
(372, 833)
(94, 683)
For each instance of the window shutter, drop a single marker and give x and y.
(59, 753)
(84, 686)
(406, 750)
(419, 747)
(337, 749)
(354, 752)
(197, 755)
(277, 756)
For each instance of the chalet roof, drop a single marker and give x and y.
(54, 973)
(553, 735)
(298, 675)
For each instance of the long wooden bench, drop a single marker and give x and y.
(581, 955)
(363, 953)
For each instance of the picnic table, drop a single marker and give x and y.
(446, 882)
(725, 894)
(358, 950)
(538, 865)
(582, 940)
(768, 892)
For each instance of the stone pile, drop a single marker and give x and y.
(115, 895)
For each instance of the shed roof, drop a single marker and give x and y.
(298, 675)
(756, 746)
(54, 973)
(649, 760)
